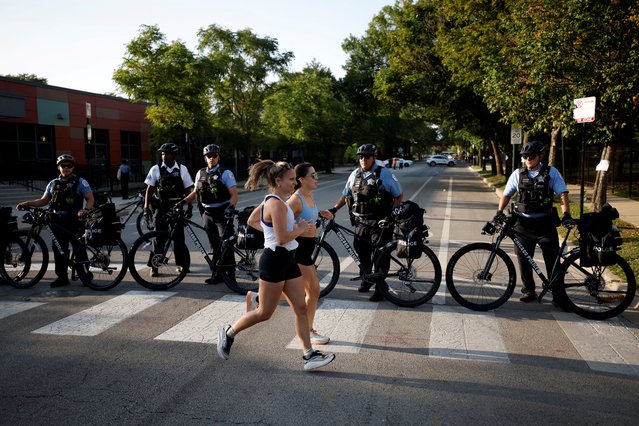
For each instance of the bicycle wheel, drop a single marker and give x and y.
(412, 282)
(106, 265)
(475, 289)
(246, 274)
(24, 263)
(142, 225)
(595, 292)
(155, 271)
(328, 268)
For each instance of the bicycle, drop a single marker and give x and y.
(410, 282)
(480, 276)
(142, 225)
(158, 270)
(26, 256)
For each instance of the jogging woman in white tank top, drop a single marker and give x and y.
(278, 269)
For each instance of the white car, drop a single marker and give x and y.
(433, 160)
(404, 162)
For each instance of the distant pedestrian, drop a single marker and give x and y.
(124, 173)
(278, 270)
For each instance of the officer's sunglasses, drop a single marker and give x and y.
(66, 166)
(212, 155)
(529, 157)
(314, 175)
(364, 156)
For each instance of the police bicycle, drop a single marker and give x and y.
(142, 224)
(26, 256)
(157, 270)
(408, 282)
(481, 276)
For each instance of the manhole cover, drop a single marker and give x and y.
(60, 293)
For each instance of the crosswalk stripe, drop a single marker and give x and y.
(201, 327)
(10, 307)
(440, 296)
(462, 334)
(346, 322)
(607, 346)
(95, 320)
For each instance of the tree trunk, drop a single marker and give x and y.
(499, 167)
(552, 152)
(601, 181)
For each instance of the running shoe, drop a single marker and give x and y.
(224, 342)
(251, 300)
(318, 339)
(317, 359)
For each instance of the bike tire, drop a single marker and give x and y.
(246, 273)
(411, 282)
(469, 288)
(595, 292)
(107, 265)
(27, 264)
(142, 259)
(327, 266)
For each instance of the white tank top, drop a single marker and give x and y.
(269, 233)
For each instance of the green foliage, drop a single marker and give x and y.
(28, 77)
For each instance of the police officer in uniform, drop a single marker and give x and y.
(171, 182)
(371, 192)
(537, 220)
(216, 191)
(66, 195)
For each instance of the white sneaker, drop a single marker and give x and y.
(251, 300)
(317, 360)
(318, 339)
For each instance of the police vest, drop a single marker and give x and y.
(170, 186)
(535, 194)
(210, 189)
(370, 201)
(64, 195)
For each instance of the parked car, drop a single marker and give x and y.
(402, 161)
(433, 160)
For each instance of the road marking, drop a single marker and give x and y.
(201, 327)
(99, 318)
(462, 334)
(346, 322)
(440, 296)
(607, 346)
(9, 307)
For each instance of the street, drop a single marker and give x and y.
(132, 356)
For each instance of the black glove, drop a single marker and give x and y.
(228, 212)
(499, 216)
(567, 220)
(333, 210)
(189, 211)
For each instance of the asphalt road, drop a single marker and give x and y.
(131, 356)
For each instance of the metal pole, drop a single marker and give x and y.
(583, 169)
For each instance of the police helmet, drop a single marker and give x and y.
(211, 149)
(168, 147)
(532, 148)
(65, 157)
(367, 148)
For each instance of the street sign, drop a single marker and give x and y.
(515, 136)
(584, 111)
(88, 109)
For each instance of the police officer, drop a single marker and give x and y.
(216, 191)
(171, 182)
(66, 195)
(537, 220)
(371, 192)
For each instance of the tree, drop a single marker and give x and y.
(28, 77)
(305, 109)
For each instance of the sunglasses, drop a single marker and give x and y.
(313, 175)
(210, 155)
(67, 166)
(529, 157)
(365, 156)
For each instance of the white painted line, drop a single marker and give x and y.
(99, 318)
(8, 308)
(346, 322)
(440, 296)
(608, 346)
(462, 334)
(201, 327)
